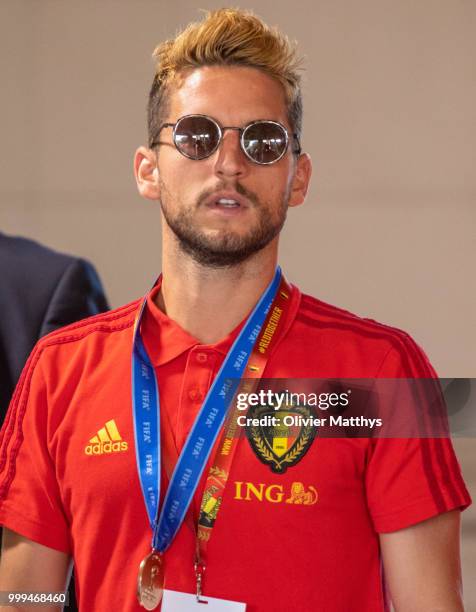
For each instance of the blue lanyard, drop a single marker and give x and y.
(200, 441)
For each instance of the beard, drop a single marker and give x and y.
(226, 248)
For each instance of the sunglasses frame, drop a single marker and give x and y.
(221, 131)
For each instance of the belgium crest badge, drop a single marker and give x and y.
(282, 441)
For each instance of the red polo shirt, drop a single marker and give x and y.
(305, 539)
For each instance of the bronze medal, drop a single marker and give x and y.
(150, 582)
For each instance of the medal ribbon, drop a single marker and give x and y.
(223, 459)
(207, 425)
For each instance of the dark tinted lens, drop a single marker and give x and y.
(196, 137)
(265, 142)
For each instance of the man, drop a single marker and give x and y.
(299, 530)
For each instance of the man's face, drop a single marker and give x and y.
(213, 232)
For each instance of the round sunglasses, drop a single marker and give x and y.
(199, 136)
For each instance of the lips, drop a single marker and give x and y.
(226, 199)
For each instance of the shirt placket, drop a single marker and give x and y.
(199, 373)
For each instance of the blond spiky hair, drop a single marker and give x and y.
(226, 37)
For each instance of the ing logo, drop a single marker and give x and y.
(276, 493)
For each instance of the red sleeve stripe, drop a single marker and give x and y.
(8, 456)
(315, 308)
(437, 455)
(11, 435)
(104, 317)
(357, 326)
(366, 327)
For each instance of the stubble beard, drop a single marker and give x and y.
(225, 248)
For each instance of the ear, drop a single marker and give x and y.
(147, 173)
(301, 180)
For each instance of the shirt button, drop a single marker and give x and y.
(195, 395)
(202, 357)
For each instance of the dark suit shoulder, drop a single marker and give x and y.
(42, 290)
(20, 256)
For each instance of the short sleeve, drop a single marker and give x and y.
(30, 500)
(411, 480)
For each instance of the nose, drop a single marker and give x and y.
(230, 160)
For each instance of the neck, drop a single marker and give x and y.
(209, 302)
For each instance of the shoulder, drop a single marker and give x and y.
(75, 361)
(106, 323)
(315, 313)
(83, 342)
(355, 339)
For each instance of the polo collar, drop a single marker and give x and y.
(165, 339)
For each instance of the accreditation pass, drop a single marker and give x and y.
(174, 601)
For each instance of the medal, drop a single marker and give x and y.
(150, 582)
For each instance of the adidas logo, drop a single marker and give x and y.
(108, 440)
